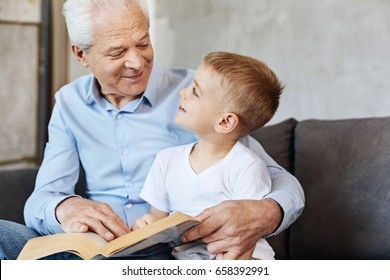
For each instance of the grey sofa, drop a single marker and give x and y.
(343, 166)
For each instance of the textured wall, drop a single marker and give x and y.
(19, 33)
(333, 56)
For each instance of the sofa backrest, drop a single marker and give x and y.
(278, 141)
(344, 168)
(15, 187)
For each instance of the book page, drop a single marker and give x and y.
(168, 229)
(85, 245)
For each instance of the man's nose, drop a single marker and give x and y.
(133, 60)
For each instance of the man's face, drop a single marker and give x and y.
(121, 57)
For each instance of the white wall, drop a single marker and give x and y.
(333, 56)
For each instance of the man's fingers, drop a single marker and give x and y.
(90, 224)
(110, 220)
(97, 226)
(76, 227)
(115, 225)
(227, 256)
(205, 228)
(224, 246)
(80, 215)
(206, 214)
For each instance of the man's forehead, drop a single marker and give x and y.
(113, 32)
(115, 19)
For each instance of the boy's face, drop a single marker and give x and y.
(198, 110)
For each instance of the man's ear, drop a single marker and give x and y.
(227, 124)
(80, 55)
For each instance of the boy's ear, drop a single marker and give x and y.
(80, 55)
(227, 124)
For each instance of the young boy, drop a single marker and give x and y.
(231, 95)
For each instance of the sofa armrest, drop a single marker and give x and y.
(16, 185)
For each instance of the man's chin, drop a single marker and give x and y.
(134, 90)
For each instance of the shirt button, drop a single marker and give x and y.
(119, 116)
(129, 205)
(125, 152)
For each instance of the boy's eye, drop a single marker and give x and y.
(194, 92)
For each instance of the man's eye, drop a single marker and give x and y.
(194, 92)
(143, 46)
(116, 54)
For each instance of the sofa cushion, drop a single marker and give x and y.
(344, 167)
(15, 187)
(278, 140)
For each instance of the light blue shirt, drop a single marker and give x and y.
(116, 148)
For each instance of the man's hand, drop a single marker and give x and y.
(233, 227)
(77, 214)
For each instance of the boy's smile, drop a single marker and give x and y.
(181, 109)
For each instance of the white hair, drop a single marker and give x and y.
(79, 15)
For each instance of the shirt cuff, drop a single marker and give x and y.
(50, 215)
(291, 211)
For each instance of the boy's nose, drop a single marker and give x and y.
(183, 93)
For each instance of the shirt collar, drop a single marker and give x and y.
(93, 94)
(149, 95)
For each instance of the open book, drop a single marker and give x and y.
(162, 233)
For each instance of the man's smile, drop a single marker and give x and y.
(135, 77)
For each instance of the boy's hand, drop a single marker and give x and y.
(143, 221)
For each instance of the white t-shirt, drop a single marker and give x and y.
(172, 185)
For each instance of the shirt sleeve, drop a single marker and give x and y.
(286, 190)
(249, 178)
(56, 178)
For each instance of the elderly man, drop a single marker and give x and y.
(113, 122)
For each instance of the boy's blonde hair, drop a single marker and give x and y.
(249, 87)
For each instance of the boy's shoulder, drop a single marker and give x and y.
(173, 158)
(244, 161)
(175, 150)
(242, 152)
